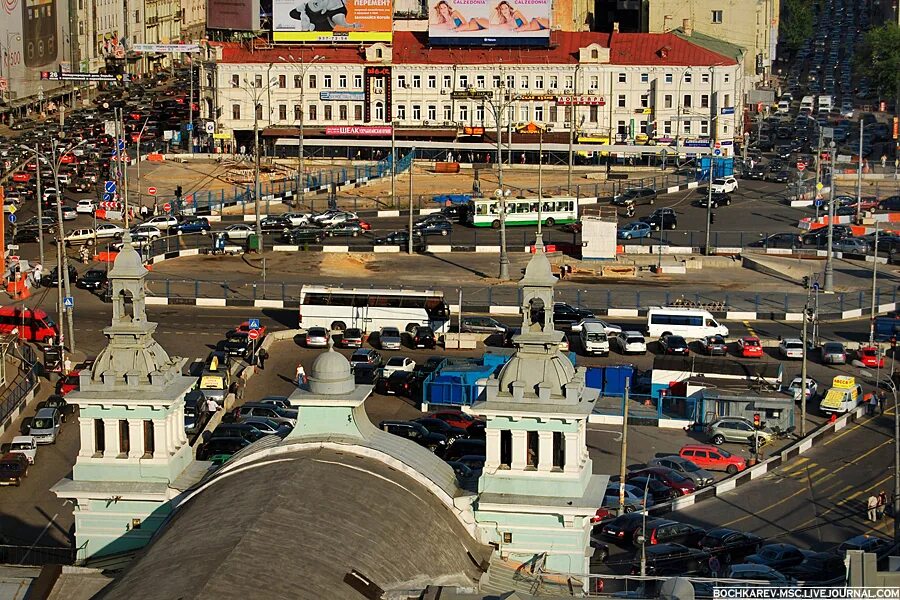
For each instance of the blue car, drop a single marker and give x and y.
(193, 225)
(634, 230)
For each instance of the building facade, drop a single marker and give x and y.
(629, 88)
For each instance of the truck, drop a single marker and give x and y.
(843, 396)
(887, 328)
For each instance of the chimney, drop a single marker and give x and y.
(687, 26)
(616, 27)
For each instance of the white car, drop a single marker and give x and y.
(335, 218)
(145, 232)
(794, 388)
(631, 342)
(162, 222)
(791, 348)
(724, 185)
(109, 230)
(239, 231)
(298, 219)
(609, 329)
(398, 363)
(24, 444)
(85, 206)
(48, 192)
(85, 236)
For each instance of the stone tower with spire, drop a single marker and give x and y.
(134, 456)
(537, 492)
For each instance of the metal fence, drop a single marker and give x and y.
(36, 555)
(19, 389)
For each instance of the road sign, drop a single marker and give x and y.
(121, 144)
(107, 197)
(12, 246)
(12, 209)
(189, 127)
(167, 207)
(801, 166)
(819, 202)
(820, 186)
(253, 334)
(109, 187)
(718, 145)
(13, 258)
(12, 219)
(68, 302)
(816, 286)
(253, 323)
(151, 190)
(717, 151)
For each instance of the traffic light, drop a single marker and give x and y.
(756, 420)
(712, 218)
(893, 341)
(178, 191)
(805, 282)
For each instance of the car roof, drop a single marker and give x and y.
(47, 411)
(23, 438)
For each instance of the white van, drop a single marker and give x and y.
(825, 103)
(690, 323)
(594, 339)
(843, 396)
(784, 107)
(807, 104)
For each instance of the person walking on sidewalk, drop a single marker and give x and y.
(882, 396)
(872, 506)
(882, 504)
(262, 355)
(301, 375)
(873, 404)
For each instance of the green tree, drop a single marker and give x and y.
(796, 23)
(879, 59)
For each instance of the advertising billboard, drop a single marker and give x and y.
(332, 20)
(489, 22)
(32, 34)
(358, 130)
(236, 15)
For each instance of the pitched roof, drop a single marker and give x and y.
(411, 47)
(713, 44)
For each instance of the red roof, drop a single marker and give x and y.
(412, 48)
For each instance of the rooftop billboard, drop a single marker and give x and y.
(238, 15)
(489, 22)
(332, 20)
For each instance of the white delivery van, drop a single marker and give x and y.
(807, 104)
(784, 107)
(825, 103)
(594, 339)
(690, 323)
(843, 396)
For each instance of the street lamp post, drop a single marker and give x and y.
(255, 93)
(829, 254)
(712, 149)
(4, 56)
(301, 167)
(503, 102)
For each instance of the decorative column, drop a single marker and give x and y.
(545, 451)
(136, 438)
(519, 450)
(86, 427)
(492, 449)
(170, 434)
(159, 437)
(573, 453)
(179, 426)
(111, 435)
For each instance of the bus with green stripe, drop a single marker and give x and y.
(485, 212)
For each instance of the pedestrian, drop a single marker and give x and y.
(882, 504)
(37, 273)
(883, 161)
(714, 566)
(145, 210)
(211, 406)
(568, 270)
(262, 355)
(873, 404)
(522, 159)
(562, 271)
(882, 396)
(301, 375)
(872, 505)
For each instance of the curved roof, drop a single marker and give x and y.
(295, 525)
(331, 373)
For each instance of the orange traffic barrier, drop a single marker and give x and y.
(17, 288)
(106, 256)
(620, 249)
(155, 157)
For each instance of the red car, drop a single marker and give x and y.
(713, 458)
(366, 226)
(871, 357)
(245, 328)
(674, 480)
(750, 347)
(456, 418)
(67, 383)
(601, 515)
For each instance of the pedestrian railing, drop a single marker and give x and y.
(17, 392)
(36, 555)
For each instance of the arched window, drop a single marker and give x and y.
(379, 111)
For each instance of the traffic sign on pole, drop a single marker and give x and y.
(68, 302)
(253, 323)
(820, 186)
(109, 187)
(12, 219)
(167, 207)
(801, 166)
(151, 190)
(253, 334)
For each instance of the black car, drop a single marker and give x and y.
(779, 176)
(730, 545)
(365, 356)
(26, 235)
(819, 567)
(220, 446)
(890, 203)
(621, 529)
(418, 433)
(715, 345)
(663, 531)
(657, 490)
(344, 229)
(779, 240)
(236, 344)
(51, 279)
(466, 447)
(455, 212)
(674, 344)
(867, 543)
(671, 559)
(398, 383)
(365, 374)
(661, 218)
(275, 223)
(59, 403)
(436, 224)
(301, 235)
(422, 337)
(757, 173)
(237, 430)
(635, 195)
(401, 238)
(442, 427)
(92, 279)
(565, 315)
(429, 366)
(777, 556)
(819, 237)
(718, 199)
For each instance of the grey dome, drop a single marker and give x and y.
(128, 263)
(331, 374)
(534, 368)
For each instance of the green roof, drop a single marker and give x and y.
(712, 44)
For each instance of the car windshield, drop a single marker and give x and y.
(635, 340)
(689, 467)
(718, 181)
(751, 342)
(390, 332)
(20, 446)
(396, 361)
(794, 345)
(42, 424)
(723, 453)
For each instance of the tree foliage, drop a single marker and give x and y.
(879, 59)
(796, 22)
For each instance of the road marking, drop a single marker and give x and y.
(798, 464)
(843, 502)
(749, 328)
(853, 427)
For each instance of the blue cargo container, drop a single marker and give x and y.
(455, 382)
(614, 377)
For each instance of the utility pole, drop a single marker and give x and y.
(410, 243)
(259, 237)
(393, 164)
(40, 203)
(623, 458)
(874, 283)
(818, 165)
(504, 258)
(896, 502)
(63, 265)
(572, 131)
(190, 111)
(540, 175)
(806, 317)
(862, 126)
(829, 256)
(712, 149)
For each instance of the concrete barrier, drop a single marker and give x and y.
(336, 249)
(285, 248)
(439, 248)
(388, 213)
(487, 249)
(217, 302)
(503, 310)
(386, 249)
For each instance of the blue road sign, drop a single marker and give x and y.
(717, 152)
(816, 286)
(189, 126)
(109, 187)
(254, 323)
(107, 197)
(121, 144)
(819, 202)
(12, 218)
(68, 302)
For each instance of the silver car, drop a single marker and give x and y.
(700, 477)
(45, 426)
(316, 337)
(482, 325)
(389, 338)
(834, 353)
(735, 429)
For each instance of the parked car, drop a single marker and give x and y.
(870, 356)
(399, 363)
(671, 559)
(418, 433)
(397, 383)
(239, 231)
(93, 279)
(634, 231)
(834, 353)
(758, 572)
(634, 497)
(565, 315)
(663, 531)
(674, 480)
(25, 445)
(195, 413)
(422, 337)
(713, 458)
(13, 469)
(729, 545)
(750, 347)
(818, 567)
(45, 426)
(363, 356)
(621, 529)
(316, 337)
(267, 410)
(631, 342)
(735, 429)
(344, 229)
(268, 426)
(674, 344)
(791, 348)
(59, 403)
(457, 418)
(685, 467)
(715, 345)
(482, 325)
(656, 490)
(389, 338)
(443, 427)
(222, 447)
(465, 447)
(274, 224)
(608, 328)
(352, 337)
(779, 240)
(793, 389)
